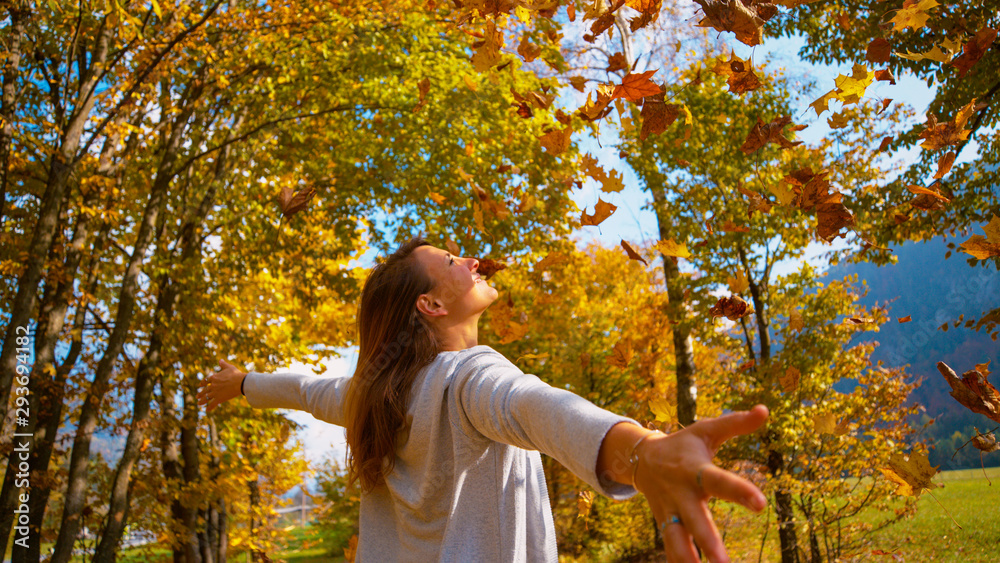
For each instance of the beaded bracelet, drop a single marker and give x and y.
(633, 456)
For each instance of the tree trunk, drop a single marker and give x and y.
(687, 388)
(62, 163)
(785, 511)
(192, 470)
(146, 375)
(170, 457)
(8, 104)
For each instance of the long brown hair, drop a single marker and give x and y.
(395, 344)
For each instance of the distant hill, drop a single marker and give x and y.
(934, 290)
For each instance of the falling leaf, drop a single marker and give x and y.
(556, 141)
(913, 14)
(293, 202)
(613, 182)
(734, 16)
(985, 443)
(974, 50)
(937, 136)
(984, 369)
(927, 191)
(578, 82)
(584, 500)
(635, 87)
(657, 115)
(452, 247)
(763, 134)
(980, 247)
(851, 88)
(733, 308)
(738, 284)
(790, 381)
(488, 267)
(745, 366)
(935, 54)
(885, 143)
(905, 319)
(621, 354)
(838, 121)
(885, 75)
(945, 164)
(661, 408)
(827, 424)
(423, 87)
(436, 197)
(470, 82)
(632, 254)
(529, 51)
(913, 475)
(878, 51)
(602, 210)
(823, 103)
(740, 72)
(885, 103)
(551, 259)
(860, 320)
(795, 321)
(616, 62)
(973, 391)
(670, 248)
(488, 49)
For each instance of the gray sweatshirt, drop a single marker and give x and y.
(468, 483)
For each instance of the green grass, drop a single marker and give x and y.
(929, 535)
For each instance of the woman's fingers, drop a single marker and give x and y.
(720, 429)
(677, 541)
(719, 483)
(698, 522)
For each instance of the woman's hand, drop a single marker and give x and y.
(676, 474)
(221, 386)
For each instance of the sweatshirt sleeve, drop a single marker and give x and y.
(323, 397)
(506, 405)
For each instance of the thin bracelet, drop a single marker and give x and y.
(633, 456)
(242, 381)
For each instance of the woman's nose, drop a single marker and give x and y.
(474, 264)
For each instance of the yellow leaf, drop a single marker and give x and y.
(661, 408)
(935, 54)
(853, 87)
(612, 182)
(913, 475)
(785, 196)
(556, 141)
(992, 230)
(790, 381)
(156, 8)
(979, 247)
(913, 14)
(671, 248)
(470, 83)
(795, 321)
(823, 103)
(738, 284)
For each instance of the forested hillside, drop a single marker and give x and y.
(935, 287)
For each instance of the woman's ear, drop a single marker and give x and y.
(430, 307)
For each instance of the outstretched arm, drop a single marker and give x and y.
(676, 473)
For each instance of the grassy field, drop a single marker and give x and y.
(930, 535)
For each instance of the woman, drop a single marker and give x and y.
(444, 434)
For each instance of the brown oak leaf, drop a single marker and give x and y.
(733, 308)
(974, 50)
(657, 115)
(632, 254)
(764, 133)
(973, 391)
(735, 16)
(294, 201)
(635, 87)
(985, 443)
(488, 267)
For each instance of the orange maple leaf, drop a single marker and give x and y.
(764, 133)
(602, 210)
(635, 87)
(913, 475)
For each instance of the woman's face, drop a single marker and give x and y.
(459, 291)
